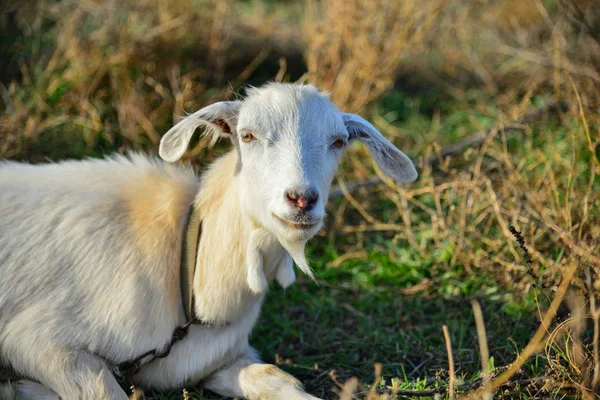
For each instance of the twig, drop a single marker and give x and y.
(586, 129)
(355, 203)
(336, 191)
(450, 360)
(347, 256)
(595, 313)
(532, 57)
(444, 389)
(483, 348)
(537, 338)
(469, 142)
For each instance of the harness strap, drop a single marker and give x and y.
(132, 367)
(189, 254)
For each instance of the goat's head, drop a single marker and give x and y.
(289, 140)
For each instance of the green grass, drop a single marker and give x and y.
(387, 306)
(357, 316)
(360, 312)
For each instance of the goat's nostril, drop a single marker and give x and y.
(310, 198)
(302, 200)
(291, 197)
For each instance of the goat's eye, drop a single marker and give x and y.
(247, 137)
(338, 144)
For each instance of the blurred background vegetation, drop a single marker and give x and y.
(496, 101)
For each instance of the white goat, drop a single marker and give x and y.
(90, 250)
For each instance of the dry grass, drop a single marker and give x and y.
(356, 48)
(116, 73)
(517, 44)
(549, 192)
(111, 75)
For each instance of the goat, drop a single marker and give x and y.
(90, 250)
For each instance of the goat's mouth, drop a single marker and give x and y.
(296, 225)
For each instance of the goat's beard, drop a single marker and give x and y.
(296, 250)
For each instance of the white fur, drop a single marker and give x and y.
(32, 390)
(256, 274)
(285, 272)
(90, 250)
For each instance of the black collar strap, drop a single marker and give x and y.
(187, 270)
(132, 367)
(189, 254)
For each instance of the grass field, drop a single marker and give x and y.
(498, 104)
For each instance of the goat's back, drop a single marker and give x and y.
(86, 245)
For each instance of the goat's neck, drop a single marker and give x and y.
(237, 258)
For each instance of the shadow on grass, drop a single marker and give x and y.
(311, 330)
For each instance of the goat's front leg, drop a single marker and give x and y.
(71, 374)
(247, 377)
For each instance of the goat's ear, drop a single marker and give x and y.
(392, 161)
(218, 120)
